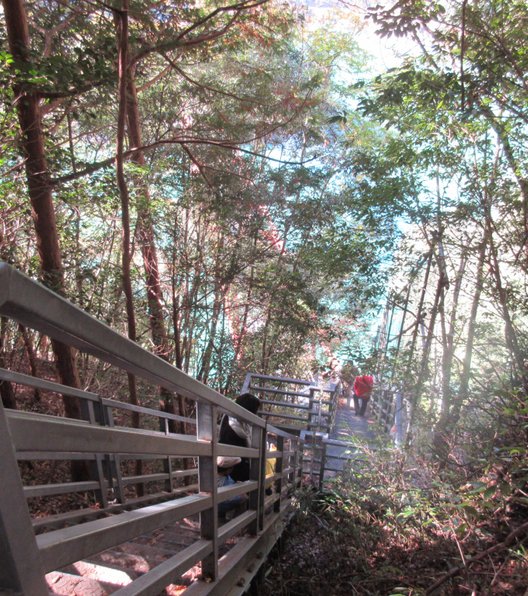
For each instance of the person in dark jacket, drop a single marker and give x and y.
(236, 432)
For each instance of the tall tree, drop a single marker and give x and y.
(38, 178)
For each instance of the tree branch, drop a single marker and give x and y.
(198, 164)
(492, 549)
(198, 84)
(180, 42)
(231, 145)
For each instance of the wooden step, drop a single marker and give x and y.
(66, 584)
(68, 545)
(107, 574)
(132, 557)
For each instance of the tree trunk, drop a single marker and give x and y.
(419, 313)
(205, 366)
(28, 344)
(515, 167)
(239, 337)
(221, 286)
(146, 237)
(424, 364)
(146, 228)
(122, 35)
(509, 330)
(39, 187)
(265, 351)
(401, 332)
(126, 257)
(7, 393)
(448, 344)
(191, 287)
(466, 366)
(442, 428)
(424, 361)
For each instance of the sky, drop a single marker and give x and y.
(342, 15)
(384, 53)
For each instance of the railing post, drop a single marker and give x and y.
(167, 464)
(247, 384)
(312, 430)
(398, 420)
(333, 407)
(298, 461)
(310, 411)
(279, 467)
(20, 568)
(207, 474)
(322, 464)
(113, 461)
(262, 481)
(318, 403)
(96, 467)
(257, 472)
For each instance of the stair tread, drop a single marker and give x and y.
(67, 584)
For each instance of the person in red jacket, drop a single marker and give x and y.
(362, 391)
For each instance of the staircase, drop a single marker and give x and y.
(156, 530)
(113, 569)
(123, 529)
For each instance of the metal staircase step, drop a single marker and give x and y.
(66, 584)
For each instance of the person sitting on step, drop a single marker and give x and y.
(225, 466)
(236, 432)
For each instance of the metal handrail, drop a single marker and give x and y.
(33, 305)
(30, 435)
(321, 413)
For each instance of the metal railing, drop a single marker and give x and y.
(299, 407)
(105, 440)
(383, 408)
(389, 406)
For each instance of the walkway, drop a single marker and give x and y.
(348, 431)
(117, 567)
(348, 425)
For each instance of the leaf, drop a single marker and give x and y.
(337, 118)
(6, 57)
(478, 487)
(505, 489)
(407, 512)
(470, 509)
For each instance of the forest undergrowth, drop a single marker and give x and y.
(399, 527)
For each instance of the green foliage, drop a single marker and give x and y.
(392, 525)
